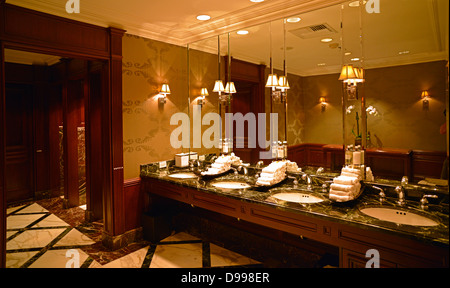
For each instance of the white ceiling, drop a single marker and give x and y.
(419, 26)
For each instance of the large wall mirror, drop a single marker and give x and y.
(403, 49)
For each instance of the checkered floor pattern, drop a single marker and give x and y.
(37, 238)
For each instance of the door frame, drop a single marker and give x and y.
(68, 38)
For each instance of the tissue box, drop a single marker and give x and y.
(193, 156)
(182, 160)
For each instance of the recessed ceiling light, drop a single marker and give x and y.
(256, 1)
(355, 59)
(321, 64)
(356, 3)
(403, 52)
(203, 17)
(242, 32)
(293, 19)
(326, 40)
(347, 53)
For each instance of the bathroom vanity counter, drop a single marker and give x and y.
(338, 224)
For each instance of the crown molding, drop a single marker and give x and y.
(250, 16)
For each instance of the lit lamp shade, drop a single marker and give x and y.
(359, 74)
(204, 92)
(425, 95)
(283, 83)
(218, 86)
(348, 74)
(165, 89)
(322, 100)
(272, 81)
(229, 88)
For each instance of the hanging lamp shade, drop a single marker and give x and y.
(272, 81)
(283, 83)
(230, 88)
(165, 89)
(348, 73)
(218, 86)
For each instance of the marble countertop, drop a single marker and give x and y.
(347, 213)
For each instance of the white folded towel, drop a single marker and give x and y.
(338, 198)
(346, 188)
(346, 180)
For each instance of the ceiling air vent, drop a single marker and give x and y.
(313, 31)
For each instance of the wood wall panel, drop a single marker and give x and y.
(52, 32)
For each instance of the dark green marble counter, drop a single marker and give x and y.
(346, 213)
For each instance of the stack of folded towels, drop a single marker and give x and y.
(272, 174)
(222, 164)
(235, 160)
(292, 166)
(347, 186)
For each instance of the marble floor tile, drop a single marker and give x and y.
(33, 208)
(223, 257)
(33, 238)
(74, 238)
(21, 221)
(60, 258)
(17, 259)
(181, 236)
(50, 221)
(132, 260)
(12, 209)
(177, 256)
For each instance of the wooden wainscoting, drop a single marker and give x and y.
(387, 163)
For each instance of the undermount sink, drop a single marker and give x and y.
(398, 216)
(231, 185)
(297, 197)
(183, 175)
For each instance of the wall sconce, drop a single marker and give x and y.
(425, 99)
(203, 94)
(218, 87)
(163, 93)
(425, 96)
(323, 103)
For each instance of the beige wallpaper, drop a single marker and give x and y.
(395, 92)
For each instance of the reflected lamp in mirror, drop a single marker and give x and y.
(203, 94)
(349, 78)
(163, 93)
(323, 103)
(230, 88)
(218, 87)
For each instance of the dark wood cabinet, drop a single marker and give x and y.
(353, 241)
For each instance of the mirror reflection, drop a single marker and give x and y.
(404, 53)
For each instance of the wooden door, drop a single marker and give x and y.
(19, 143)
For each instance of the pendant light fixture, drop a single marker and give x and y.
(218, 85)
(283, 83)
(272, 80)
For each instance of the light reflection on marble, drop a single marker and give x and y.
(21, 221)
(132, 260)
(51, 221)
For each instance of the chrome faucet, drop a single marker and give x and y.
(404, 180)
(308, 180)
(295, 182)
(259, 164)
(243, 168)
(319, 170)
(381, 194)
(401, 195)
(424, 201)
